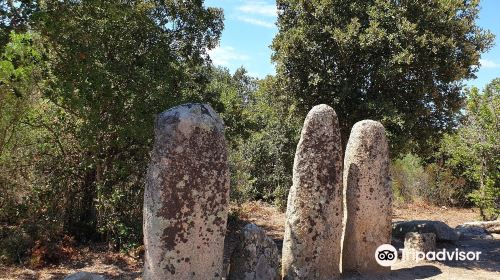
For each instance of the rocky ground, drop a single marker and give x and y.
(128, 266)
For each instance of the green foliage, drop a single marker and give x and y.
(269, 151)
(114, 65)
(444, 187)
(474, 150)
(408, 177)
(14, 245)
(400, 62)
(234, 92)
(21, 66)
(19, 69)
(81, 91)
(14, 17)
(262, 131)
(433, 183)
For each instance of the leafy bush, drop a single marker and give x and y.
(269, 151)
(409, 179)
(434, 183)
(443, 187)
(78, 97)
(15, 245)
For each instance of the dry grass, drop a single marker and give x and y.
(264, 215)
(422, 211)
(272, 220)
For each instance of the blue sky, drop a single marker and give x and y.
(250, 29)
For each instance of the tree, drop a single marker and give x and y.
(19, 70)
(474, 148)
(399, 62)
(21, 65)
(14, 16)
(233, 94)
(266, 157)
(110, 67)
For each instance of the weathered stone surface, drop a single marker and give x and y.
(418, 242)
(186, 196)
(256, 257)
(367, 198)
(84, 276)
(472, 232)
(313, 226)
(489, 226)
(443, 231)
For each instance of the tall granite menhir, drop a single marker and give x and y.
(186, 196)
(367, 198)
(313, 226)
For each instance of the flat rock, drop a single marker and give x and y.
(256, 256)
(489, 226)
(471, 232)
(442, 231)
(186, 196)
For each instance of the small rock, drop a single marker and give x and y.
(256, 257)
(84, 276)
(418, 242)
(442, 231)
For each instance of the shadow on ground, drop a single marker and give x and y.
(489, 259)
(410, 273)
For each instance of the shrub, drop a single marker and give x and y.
(433, 183)
(51, 250)
(15, 244)
(409, 179)
(443, 188)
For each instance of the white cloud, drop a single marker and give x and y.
(485, 63)
(225, 56)
(260, 8)
(256, 21)
(260, 13)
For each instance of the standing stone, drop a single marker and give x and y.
(256, 256)
(313, 226)
(186, 196)
(367, 198)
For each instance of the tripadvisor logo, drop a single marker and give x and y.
(387, 255)
(441, 255)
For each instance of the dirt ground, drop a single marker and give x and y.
(97, 259)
